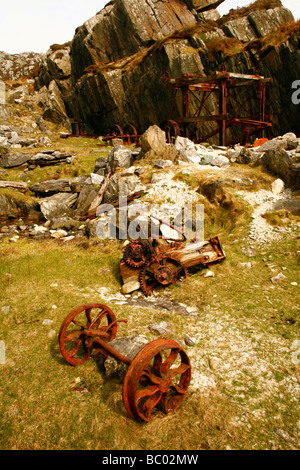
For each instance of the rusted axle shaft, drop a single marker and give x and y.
(111, 351)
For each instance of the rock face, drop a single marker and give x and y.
(111, 72)
(14, 66)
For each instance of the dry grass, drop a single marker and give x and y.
(41, 410)
(275, 39)
(245, 11)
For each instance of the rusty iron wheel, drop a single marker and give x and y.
(158, 377)
(164, 271)
(171, 129)
(116, 131)
(81, 326)
(130, 134)
(137, 253)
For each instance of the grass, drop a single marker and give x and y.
(241, 12)
(86, 151)
(243, 320)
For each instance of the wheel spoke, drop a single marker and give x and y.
(74, 351)
(178, 389)
(88, 316)
(95, 323)
(78, 323)
(169, 361)
(179, 370)
(152, 394)
(72, 336)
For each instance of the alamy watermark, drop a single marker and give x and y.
(296, 94)
(141, 221)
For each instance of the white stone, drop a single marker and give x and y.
(2, 353)
(245, 265)
(130, 287)
(161, 328)
(278, 186)
(97, 179)
(278, 278)
(209, 274)
(220, 161)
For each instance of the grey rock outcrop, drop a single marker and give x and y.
(111, 71)
(15, 66)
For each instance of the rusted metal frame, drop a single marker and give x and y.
(261, 94)
(242, 106)
(175, 91)
(223, 110)
(214, 117)
(256, 129)
(202, 103)
(185, 107)
(195, 80)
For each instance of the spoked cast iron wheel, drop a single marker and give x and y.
(164, 271)
(158, 376)
(79, 328)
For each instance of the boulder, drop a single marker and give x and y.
(87, 195)
(17, 95)
(189, 156)
(160, 163)
(220, 161)
(55, 110)
(124, 186)
(14, 160)
(127, 346)
(58, 206)
(277, 162)
(119, 157)
(273, 144)
(50, 157)
(50, 187)
(247, 155)
(100, 164)
(4, 148)
(153, 141)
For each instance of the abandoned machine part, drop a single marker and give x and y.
(129, 135)
(163, 271)
(80, 327)
(138, 253)
(196, 91)
(172, 130)
(158, 376)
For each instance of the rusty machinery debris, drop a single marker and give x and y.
(201, 88)
(157, 377)
(160, 262)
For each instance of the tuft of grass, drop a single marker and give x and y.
(240, 12)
